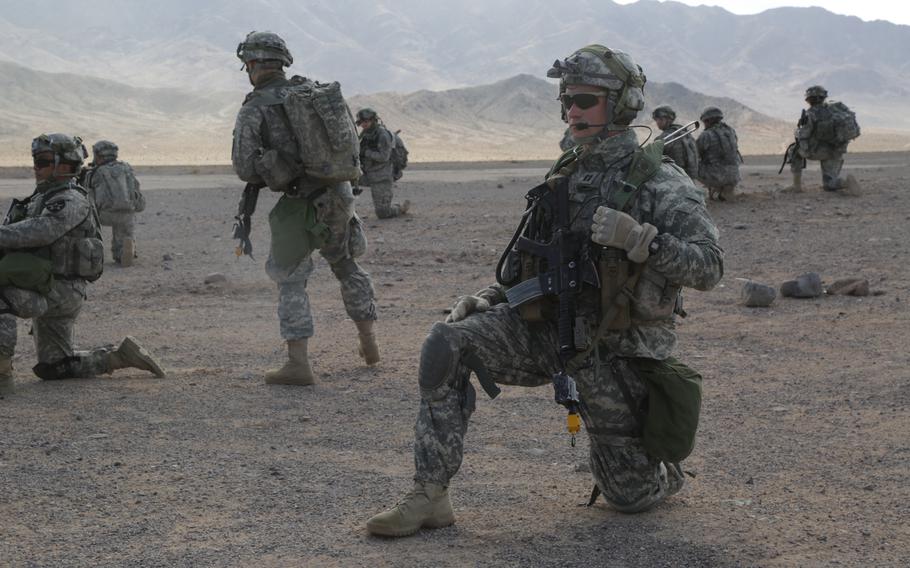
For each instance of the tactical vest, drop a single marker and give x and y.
(79, 254)
(621, 283)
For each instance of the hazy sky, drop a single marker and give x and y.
(895, 11)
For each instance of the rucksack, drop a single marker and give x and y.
(845, 126)
(399, 156)
(323, 127)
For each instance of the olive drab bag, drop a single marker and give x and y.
(845, 126)
(27, 271)
(670, 420)
(296, 232)
(323, 127)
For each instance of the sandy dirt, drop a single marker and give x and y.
(802, 456)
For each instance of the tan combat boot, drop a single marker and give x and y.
(128, 252)
(297, 370)
(6, 376)
(425, 506)
(404, 207)
(369, 350)
(131, 355)
(797, 186)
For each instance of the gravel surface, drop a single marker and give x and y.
(802, 457)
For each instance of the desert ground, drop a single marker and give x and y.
(802, 457)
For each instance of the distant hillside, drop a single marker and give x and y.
(764, 60)
(513, 119)
(151, 125)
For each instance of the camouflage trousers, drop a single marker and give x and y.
(519, 353)
(381, 192)
(53, 327)
(346, 241)
(122, 227)
(831, 165)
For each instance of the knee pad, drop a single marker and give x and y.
(438, 358)
(344, 268)
(61, 369)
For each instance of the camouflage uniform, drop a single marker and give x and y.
(719, 159)
(260, 125)
(376, 145)
(114, 190)
(57, 215)
(829, 153)
(517, 352)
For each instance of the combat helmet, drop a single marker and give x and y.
(105, 149)
(711, 113)
(816, 91)
(264, 46)
(663, 112)
(66, 149)
(603, 67)
(366, 114)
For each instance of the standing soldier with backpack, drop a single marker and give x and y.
(296, 136)
(51, 249)
(718, 155)
(381, 159)
(823, 132)
(114, 189)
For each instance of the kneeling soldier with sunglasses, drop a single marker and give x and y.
(51, 248)
(586, 298)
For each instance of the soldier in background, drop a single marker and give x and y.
(822, 134)
(718, 155)
(114, 189)
(663, 232)
(683, 151)
(315, 214)
(52, 248)
(376, 146)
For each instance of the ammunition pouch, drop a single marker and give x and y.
(614, 269)
(655, 298)
(87, 259)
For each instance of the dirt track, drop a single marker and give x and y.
(802, 458)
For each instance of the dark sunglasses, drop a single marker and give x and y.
(43, 162)
(581, 100)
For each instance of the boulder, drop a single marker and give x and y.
(757, 295)
(808, 285)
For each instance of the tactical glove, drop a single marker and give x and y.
(612, 228)
(465, 306)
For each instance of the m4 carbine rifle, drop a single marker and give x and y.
(794, 146)
(243, 221)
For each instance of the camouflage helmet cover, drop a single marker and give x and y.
(816, 91)
(68, 149)
(615, 71)
(366, 114)
(261, 46)
(712, 112)
(663, 111)
(105, 149)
